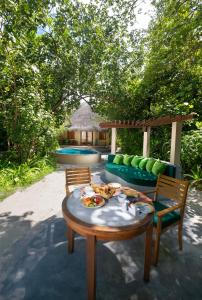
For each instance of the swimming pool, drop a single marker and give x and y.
(75, 151)
(77, 156)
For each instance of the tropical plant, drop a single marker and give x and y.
(13, 176)
(191, 153)
(54, 53)
(195, 177)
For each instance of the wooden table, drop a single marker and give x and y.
(109, 223)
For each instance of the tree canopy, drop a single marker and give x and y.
(53, 53)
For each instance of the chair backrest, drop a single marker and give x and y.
(172, 188)
(76, 176)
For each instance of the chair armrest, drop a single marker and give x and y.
(165, 211)
(149, 192)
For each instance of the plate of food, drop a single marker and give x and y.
(93, 201)
(130, 192)
(104, 190)
(114, 185)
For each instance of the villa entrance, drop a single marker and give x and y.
(86, 137)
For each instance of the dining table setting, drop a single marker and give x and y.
(107, 212)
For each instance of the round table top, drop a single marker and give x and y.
(112, 214)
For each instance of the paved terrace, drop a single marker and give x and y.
(35, 265)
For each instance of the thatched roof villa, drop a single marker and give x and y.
(85, 129)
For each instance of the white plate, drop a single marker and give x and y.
(114, 185)
(145, 208)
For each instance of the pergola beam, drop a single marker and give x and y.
(145, 123)
(176, 122)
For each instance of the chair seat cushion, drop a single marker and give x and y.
(169, 218)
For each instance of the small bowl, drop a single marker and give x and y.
(88, 189)
(89, 194)
(122, 198)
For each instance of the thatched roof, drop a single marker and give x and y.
(84, 119)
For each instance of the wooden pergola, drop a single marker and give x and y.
(146, 125)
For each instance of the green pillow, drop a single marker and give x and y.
(150, 164)
(143, 162)
(136, 160)
(158, 168)
(118, 159)
(127, 159)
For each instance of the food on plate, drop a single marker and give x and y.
(103, 190)
(114, 185)
(130, 192)
(92, 202)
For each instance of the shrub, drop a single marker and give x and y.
(130, 141)
(191, 153)
(13, 176)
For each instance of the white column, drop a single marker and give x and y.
(146, 141)
(175, 143)
(94, 133)
(79, 141)
(113, 141)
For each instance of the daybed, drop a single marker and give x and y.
(134, 177)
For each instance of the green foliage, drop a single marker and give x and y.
(29, 126)
(160, 142)
(195, 177)
(191, 154)
(130, 141)
(196, 174)
(13, 175)
(54, 53)
(172, 74)
(169, 81)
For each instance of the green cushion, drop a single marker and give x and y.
(111, 158)
(150, 164)
(136, 160)
(118, 159)
(169, 218)
(132, 175)
(143, 162)
(127, 159)
(158, 168)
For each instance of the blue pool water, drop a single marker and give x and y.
(74, 151)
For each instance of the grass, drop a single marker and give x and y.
(13, 176)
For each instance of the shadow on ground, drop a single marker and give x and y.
(34, 262)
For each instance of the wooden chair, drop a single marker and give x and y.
(76, 176)
(165, 216)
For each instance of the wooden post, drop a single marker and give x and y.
(91, 267)
(175, 143)
(146, 141)
(113, 141)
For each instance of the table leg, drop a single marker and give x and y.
(91, 267)
(148, 248)
(70, 238)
